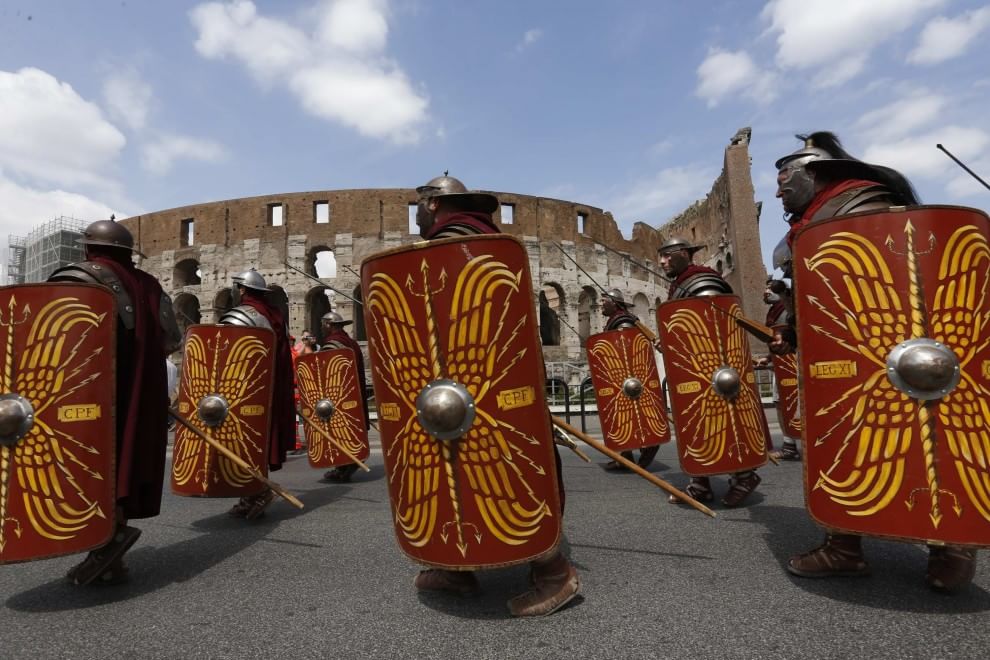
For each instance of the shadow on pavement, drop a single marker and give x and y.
(898, 569)
(152, 568)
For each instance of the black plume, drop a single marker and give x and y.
(829, 142)
(891, 178)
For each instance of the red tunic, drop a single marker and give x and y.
(282, 435)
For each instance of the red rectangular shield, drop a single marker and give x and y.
(785, 371)
(57, 452)
(330, 399)
(455, 353)
(721, 427)
(631, 404)
(225, 391)
(893, 313)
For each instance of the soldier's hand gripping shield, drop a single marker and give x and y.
(459, 377)
(57, 427)
(785, 373)
(631, 404)
(331, 404)
(894, 314)
(225, 391)
(718, 414)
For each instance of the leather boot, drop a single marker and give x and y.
(462, 583)
(950, 568)
(840, 556)
(555, 583)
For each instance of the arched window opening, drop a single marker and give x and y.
(551, 308)
(587, 306)
(317, 304)
(222, 302)
(359, 332)
(321, 262)
(186, 273)
(280, 299)
(186, 308)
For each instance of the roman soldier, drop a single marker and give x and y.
(334, 336)
(147, 333)
(818, 182)
(778, 295)
(254, 310)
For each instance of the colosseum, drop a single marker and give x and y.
(194, 250)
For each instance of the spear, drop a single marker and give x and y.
(960, 164)
(322, 283)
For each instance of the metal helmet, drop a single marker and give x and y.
(335, 318)
(251, 279)
(782, 258)
(676, 243)
(453, 189)
(797, 187)
(110, 233)
(617, 297)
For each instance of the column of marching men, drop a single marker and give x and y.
(880, 338)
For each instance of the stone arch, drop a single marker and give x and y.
(587, 306)
(186, 307)
(319, 265)
(360, 334)
(728, 262)
(317, 304)
(552, 305)
(186, 273)
(222, 302)
(641, 308)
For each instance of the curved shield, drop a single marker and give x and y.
(57, 427)
(458, 374)
(631, 405)
(721, 427)
(225, 391)
(894, 316)
(332, 407)
(788, 403)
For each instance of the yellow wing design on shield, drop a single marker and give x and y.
(336, 381)
(48, 462)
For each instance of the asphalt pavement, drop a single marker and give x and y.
(658, 581)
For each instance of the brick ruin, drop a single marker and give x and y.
(195, 250)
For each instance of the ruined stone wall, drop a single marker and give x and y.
(230, 236)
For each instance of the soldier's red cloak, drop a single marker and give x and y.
(282, 435)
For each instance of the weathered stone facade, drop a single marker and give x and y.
(195, 250)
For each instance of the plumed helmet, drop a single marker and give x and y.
(334, 317)
(802, 157)
(676, 243)
(251, 279)
(617, 297)
(455, 191)
(110, 233)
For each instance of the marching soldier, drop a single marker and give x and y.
(690, 280)
(815, 183)
(447, 209)
(616, 310)
(253, 310)
(334, 336)
(778, 295)
(146, 334)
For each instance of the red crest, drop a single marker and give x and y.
(894, 336)
(57, 451)
(631, 405)
(330, 399)
(225, 391)
(454, 350)
(721, 427)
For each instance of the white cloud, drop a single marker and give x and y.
(725, 73)
(903, 116)
(529, 38)
(918, 157)
(49, 133)
(336, 69)
(127, 98)
(944, 38)
(159, 156)
(813, 34)
(656, 199)
(963, 185)
(24, 208)
(840, 71)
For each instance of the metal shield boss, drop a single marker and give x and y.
(225, 391)
(459, 378)
(332, 407)
(57, 429)
(631, 405)
(785, 373)
(893, 312)
(718, 414)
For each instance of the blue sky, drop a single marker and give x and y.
(141, 106)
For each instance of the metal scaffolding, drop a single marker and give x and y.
(34, 257)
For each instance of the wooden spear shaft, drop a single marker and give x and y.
(236, 459)
(619, 458)
(333, 441)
